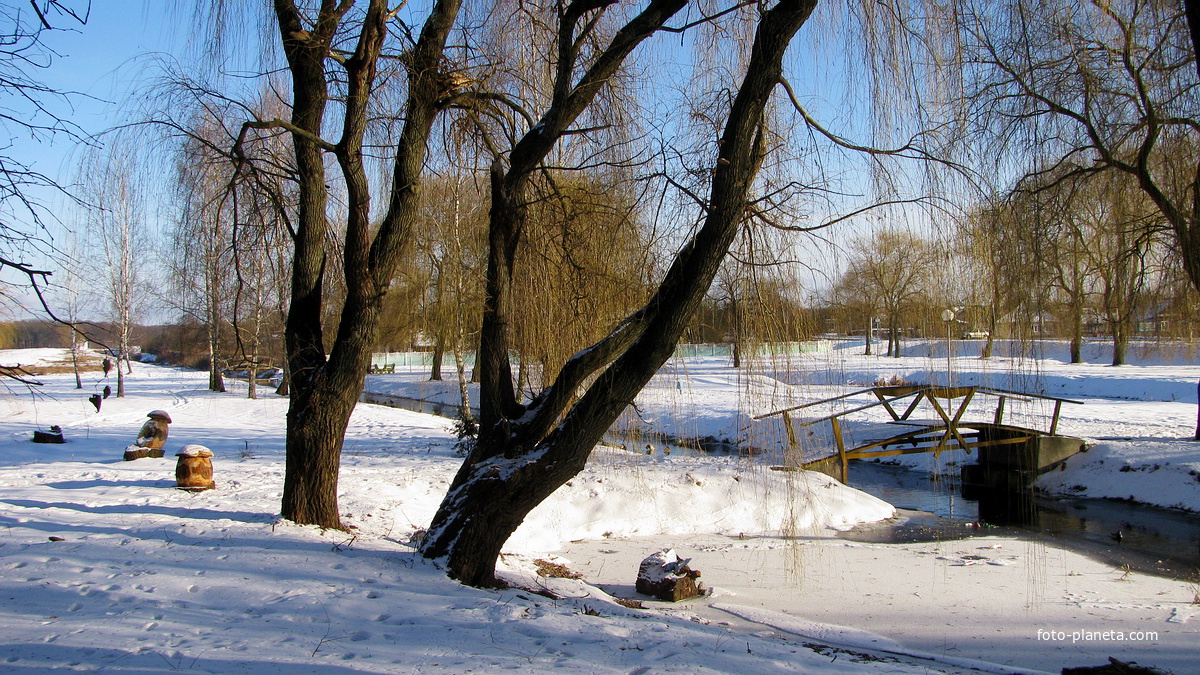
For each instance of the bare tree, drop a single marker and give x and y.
(1051, 216)
(335, 55)
(526, 451)
(28, 111)
(891, 266)
(202, 242)
(1090, 88)
(1118, 245)
(118, 224)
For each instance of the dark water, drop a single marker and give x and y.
(1153, 540)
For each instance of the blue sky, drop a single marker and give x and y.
(101, 62)
(106, 62)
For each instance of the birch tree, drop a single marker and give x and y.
(117, 223)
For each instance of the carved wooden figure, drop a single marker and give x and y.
(152, 436)
(194, 470)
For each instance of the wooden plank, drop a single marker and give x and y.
(1054, 422)
(919, 436)
(912, 406)
(852, 410)
(812, 403)
(1011, 392)
(854, 454)
(841, 446)
(886, 406)
(951, 424)
(791, 432)
(999, 418)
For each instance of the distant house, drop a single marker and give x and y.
(1037, 324)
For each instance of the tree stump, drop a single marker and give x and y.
(52, 435)
(193, 470)
(666, 576)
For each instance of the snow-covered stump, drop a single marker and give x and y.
(52, 435)
(194, 469)
(666, 576)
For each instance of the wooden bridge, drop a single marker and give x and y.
(1007, 447)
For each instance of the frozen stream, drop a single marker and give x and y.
(1153, 540)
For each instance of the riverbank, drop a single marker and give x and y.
(1139, 419)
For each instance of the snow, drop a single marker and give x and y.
(1141, 415)
(105, 566)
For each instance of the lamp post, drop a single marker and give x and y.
(948, 318)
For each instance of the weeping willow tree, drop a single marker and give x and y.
(525, 451)
(740, 175)
(1066, 91)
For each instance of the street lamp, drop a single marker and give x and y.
(948, 318)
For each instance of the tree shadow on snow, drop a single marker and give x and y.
(145, 509)
(89, 484)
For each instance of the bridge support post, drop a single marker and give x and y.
(841, 446)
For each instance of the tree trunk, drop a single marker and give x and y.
(520, 461)
(870, 330)
(1120, 343)
(439, 352)
(464, 397)
(1076, 334)
(736, 347)
(75, 358)
(316, 426)
(284, 388)
(325, 391)
(991, 334)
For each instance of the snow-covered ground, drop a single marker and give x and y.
(105, 566)
(1139, 419)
